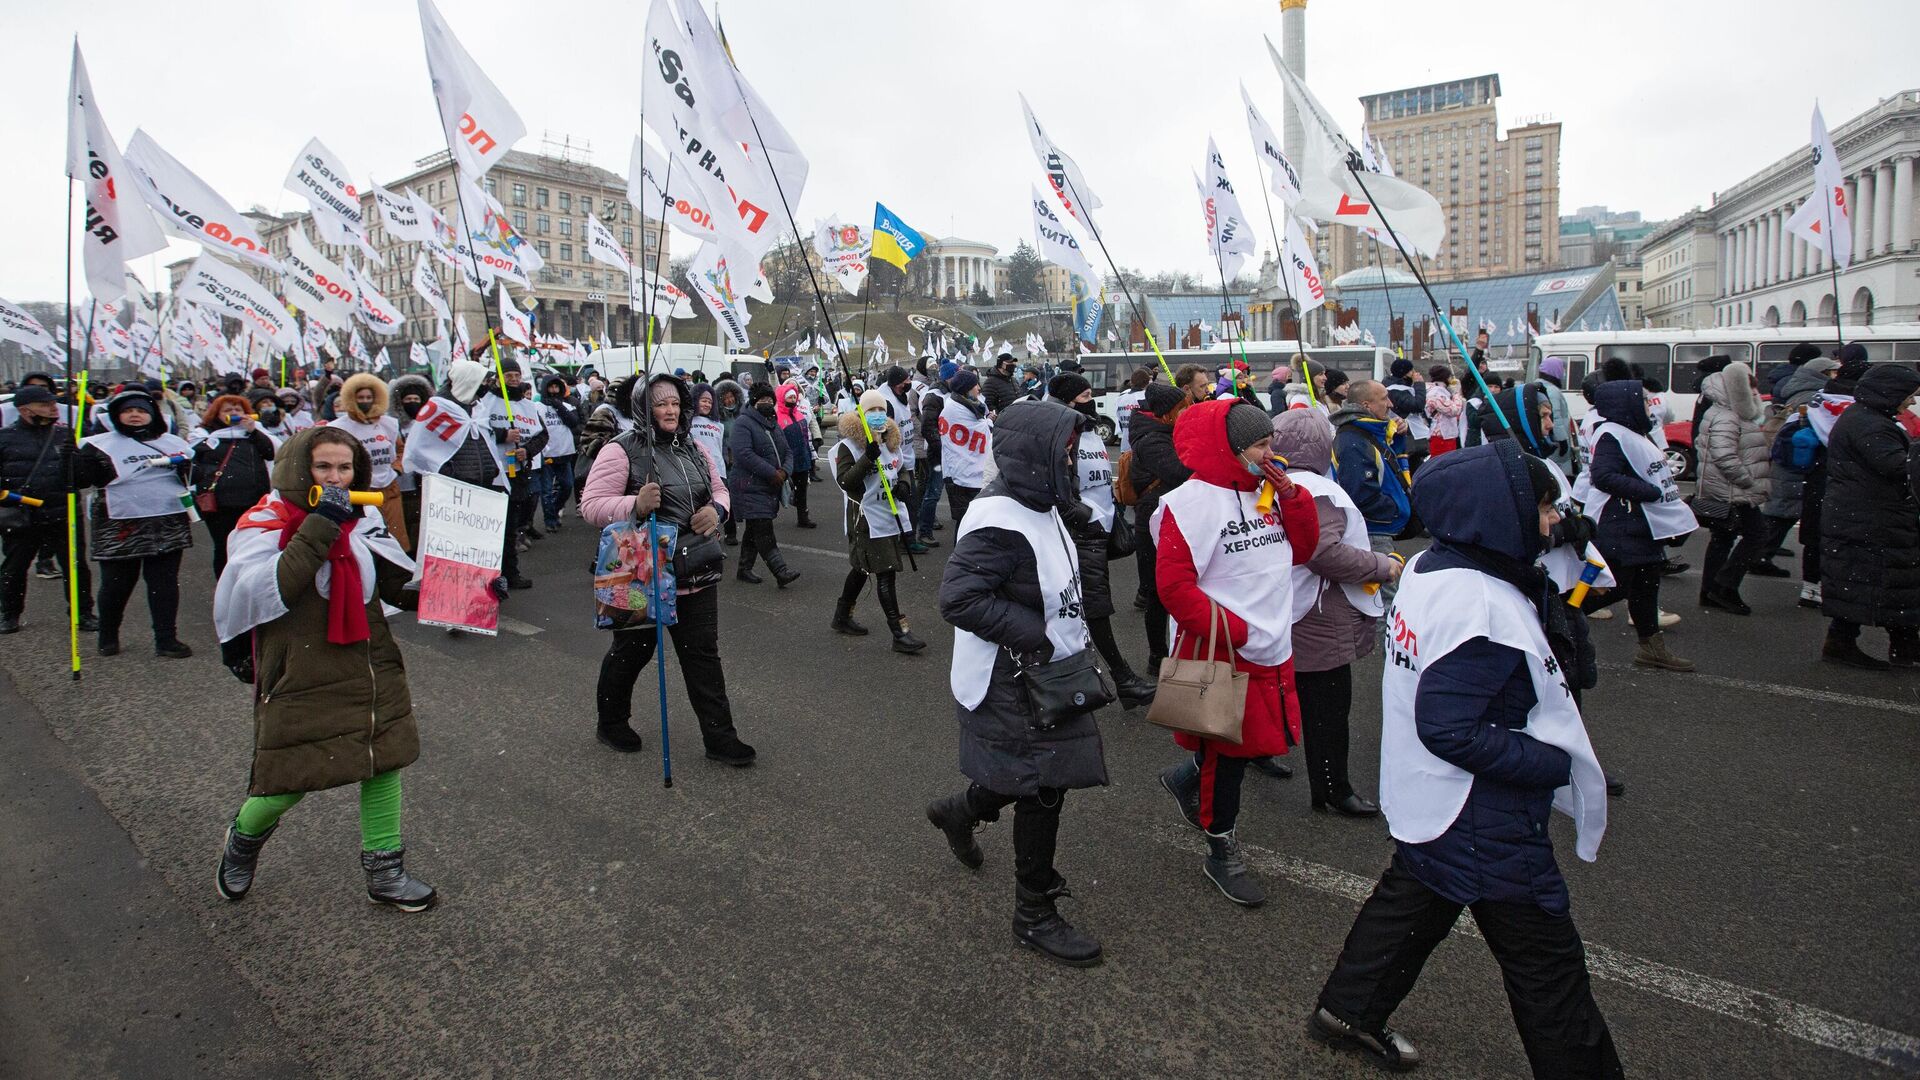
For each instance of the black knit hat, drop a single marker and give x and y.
(1246, 425)
(1066, 386)
(760, 390)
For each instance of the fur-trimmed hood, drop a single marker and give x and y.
(354, 384)
(851, 431)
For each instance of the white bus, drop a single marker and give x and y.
(1673, 357)
(1109, 372)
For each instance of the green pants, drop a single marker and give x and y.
(379, 812)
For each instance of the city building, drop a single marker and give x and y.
(951, 267)
(1589, 237)
(1629, 285)
(1391, 307)
(547, 197)
(1501, 195)
(1680, 273)
(1769, 277)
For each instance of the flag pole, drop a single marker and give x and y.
(1354, 166)
(1118, 277)
(1833, 267)
(886, 488)
(1286, 287)
(73, 499)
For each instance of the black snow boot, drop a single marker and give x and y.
(954, 817)
(237, 860)
(1037, 925)
(843, 620)
(389, 883)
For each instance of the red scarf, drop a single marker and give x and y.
(346, 612)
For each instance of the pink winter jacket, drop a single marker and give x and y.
(604, 498)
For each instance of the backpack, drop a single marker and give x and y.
(1797, 446)
(1123, 491)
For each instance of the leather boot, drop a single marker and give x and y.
(1227, 868)
(903, 640)
(843, 620)
(1134, 690)
(807, 522)
(1182, 781)
(237, 861)
(1037, 925)
(1848, 652)
(389, 883)
(782, 573)
(1391, 1049)
(1653, 653)
(954, 817)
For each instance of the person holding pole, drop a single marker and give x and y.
(877, 523)
(308, 575)
(34, 453)
(139, 517)
(657, 470)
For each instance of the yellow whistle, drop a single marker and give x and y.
(1588, 575)
(10, 498)
(357, 498)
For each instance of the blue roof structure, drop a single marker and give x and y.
(1555, 296)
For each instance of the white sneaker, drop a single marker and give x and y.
(1668, 618)
(1603, 614)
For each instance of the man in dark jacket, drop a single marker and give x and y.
(759, 475)
(1407, 393)
(1488, 510)
(1153, 469)
(1870, 528)
(34, 452)
(1370, 465)
(563, 420)
(998, 387)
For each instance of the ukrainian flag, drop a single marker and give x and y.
(893, 241)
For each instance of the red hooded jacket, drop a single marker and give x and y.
(1273, 712)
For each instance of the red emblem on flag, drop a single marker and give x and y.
(1349, 207)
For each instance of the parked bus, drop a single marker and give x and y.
(1109, 372)
(1673, 357)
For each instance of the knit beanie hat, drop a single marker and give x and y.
(963, 381)
(1066, 386)
(1402, 366)
(947, 370)
(873, 399)
(463, 378)
(1246, 425)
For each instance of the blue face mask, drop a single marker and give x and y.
(1251, 467)
(877, 419)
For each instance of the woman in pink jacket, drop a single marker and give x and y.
(1444, 407)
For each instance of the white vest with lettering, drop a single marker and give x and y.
(380, 438)
(1432, 615)
(137, 490)
(966, 443)
(1666, 518)
(710, 434)
(1242, 560)
(873, 501)
(1307, 585)
(1096, 477)
(1058, 564)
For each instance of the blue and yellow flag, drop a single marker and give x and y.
(893, 241)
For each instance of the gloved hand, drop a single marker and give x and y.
(1576, 530)
(873, 449)
(243, 670)
(498, 587)
(335, 506)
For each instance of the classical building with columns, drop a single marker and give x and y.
(1680, 273)
(953, 266)
(1766, 276)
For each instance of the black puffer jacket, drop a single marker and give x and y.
(991, 588)
(1870, 529)
(758, 452)
(999, 390)
(1156, 467)
(238, 471)
(24, 469)
(1622, 533)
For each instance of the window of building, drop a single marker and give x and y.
(566, 273)
(542, 224)
(566, 227)
(626, 213)
(545, 249)
(566, 252)
(520, 220)
(519, 194)
(626, 237)
(566, 202)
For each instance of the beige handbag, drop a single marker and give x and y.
(1206, 697)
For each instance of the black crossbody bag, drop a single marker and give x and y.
(1059, 690)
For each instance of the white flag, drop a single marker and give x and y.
(514, 324)
(382, 361)
(428, 286)
(1063, 175)
(356, 348)
(477, 120)
(745, 116)
(601, 247)
(462, 344)
(843, 250)
(680, 207)
(375, 310)
(1825, 220)
(318, 287)
(1302, 276)
(713, 282)
(1229, 237)
(188, 208)
(322, 179)
(1281, 177)
(1330, 193)
(220, 287)
(441, 237)
(23, 329)
(402, 219)
(416, 356)
(117, 228)
(1057, 245)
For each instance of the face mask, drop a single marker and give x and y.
(877, 419)
(1085, 408)
(765, 409)
(40, 421)
(411, 408)
(1250, 466)
(269, 415)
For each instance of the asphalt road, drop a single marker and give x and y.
(1753, 912)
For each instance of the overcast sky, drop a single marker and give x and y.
(912, 102)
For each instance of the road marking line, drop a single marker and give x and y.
(1827, 697)
(813, 551)
(515, 626)
(1757, 1007)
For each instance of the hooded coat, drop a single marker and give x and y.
(1736, 460)
(1870, 526)
(998, 389)
(1333, 633)
(1272, 722)
(33, 465)
(132, 538)
(325, 715)
(759, 455)
(881, 555)
(1622, 532)
(1472, 703)
(1155, 467)
(1787, 486)
(991, 588)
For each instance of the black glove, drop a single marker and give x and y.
(873, 448)
(335, 506)
(243, 670)
(1575, 530)
(499, 587)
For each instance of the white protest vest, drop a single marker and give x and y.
(873, 502)
(966, 443)
(1307, 585)
(1123, 410)
(1583, 484)
(137, 490)
(1240, 557)
(381, 438)
(711, 436)
(1658, 412)
(1563, 564)
(1096, 477)
(559, 436)
(1434, 614)
(1667, 518)
(1059, 569)
(440, 428)
(903, 414)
